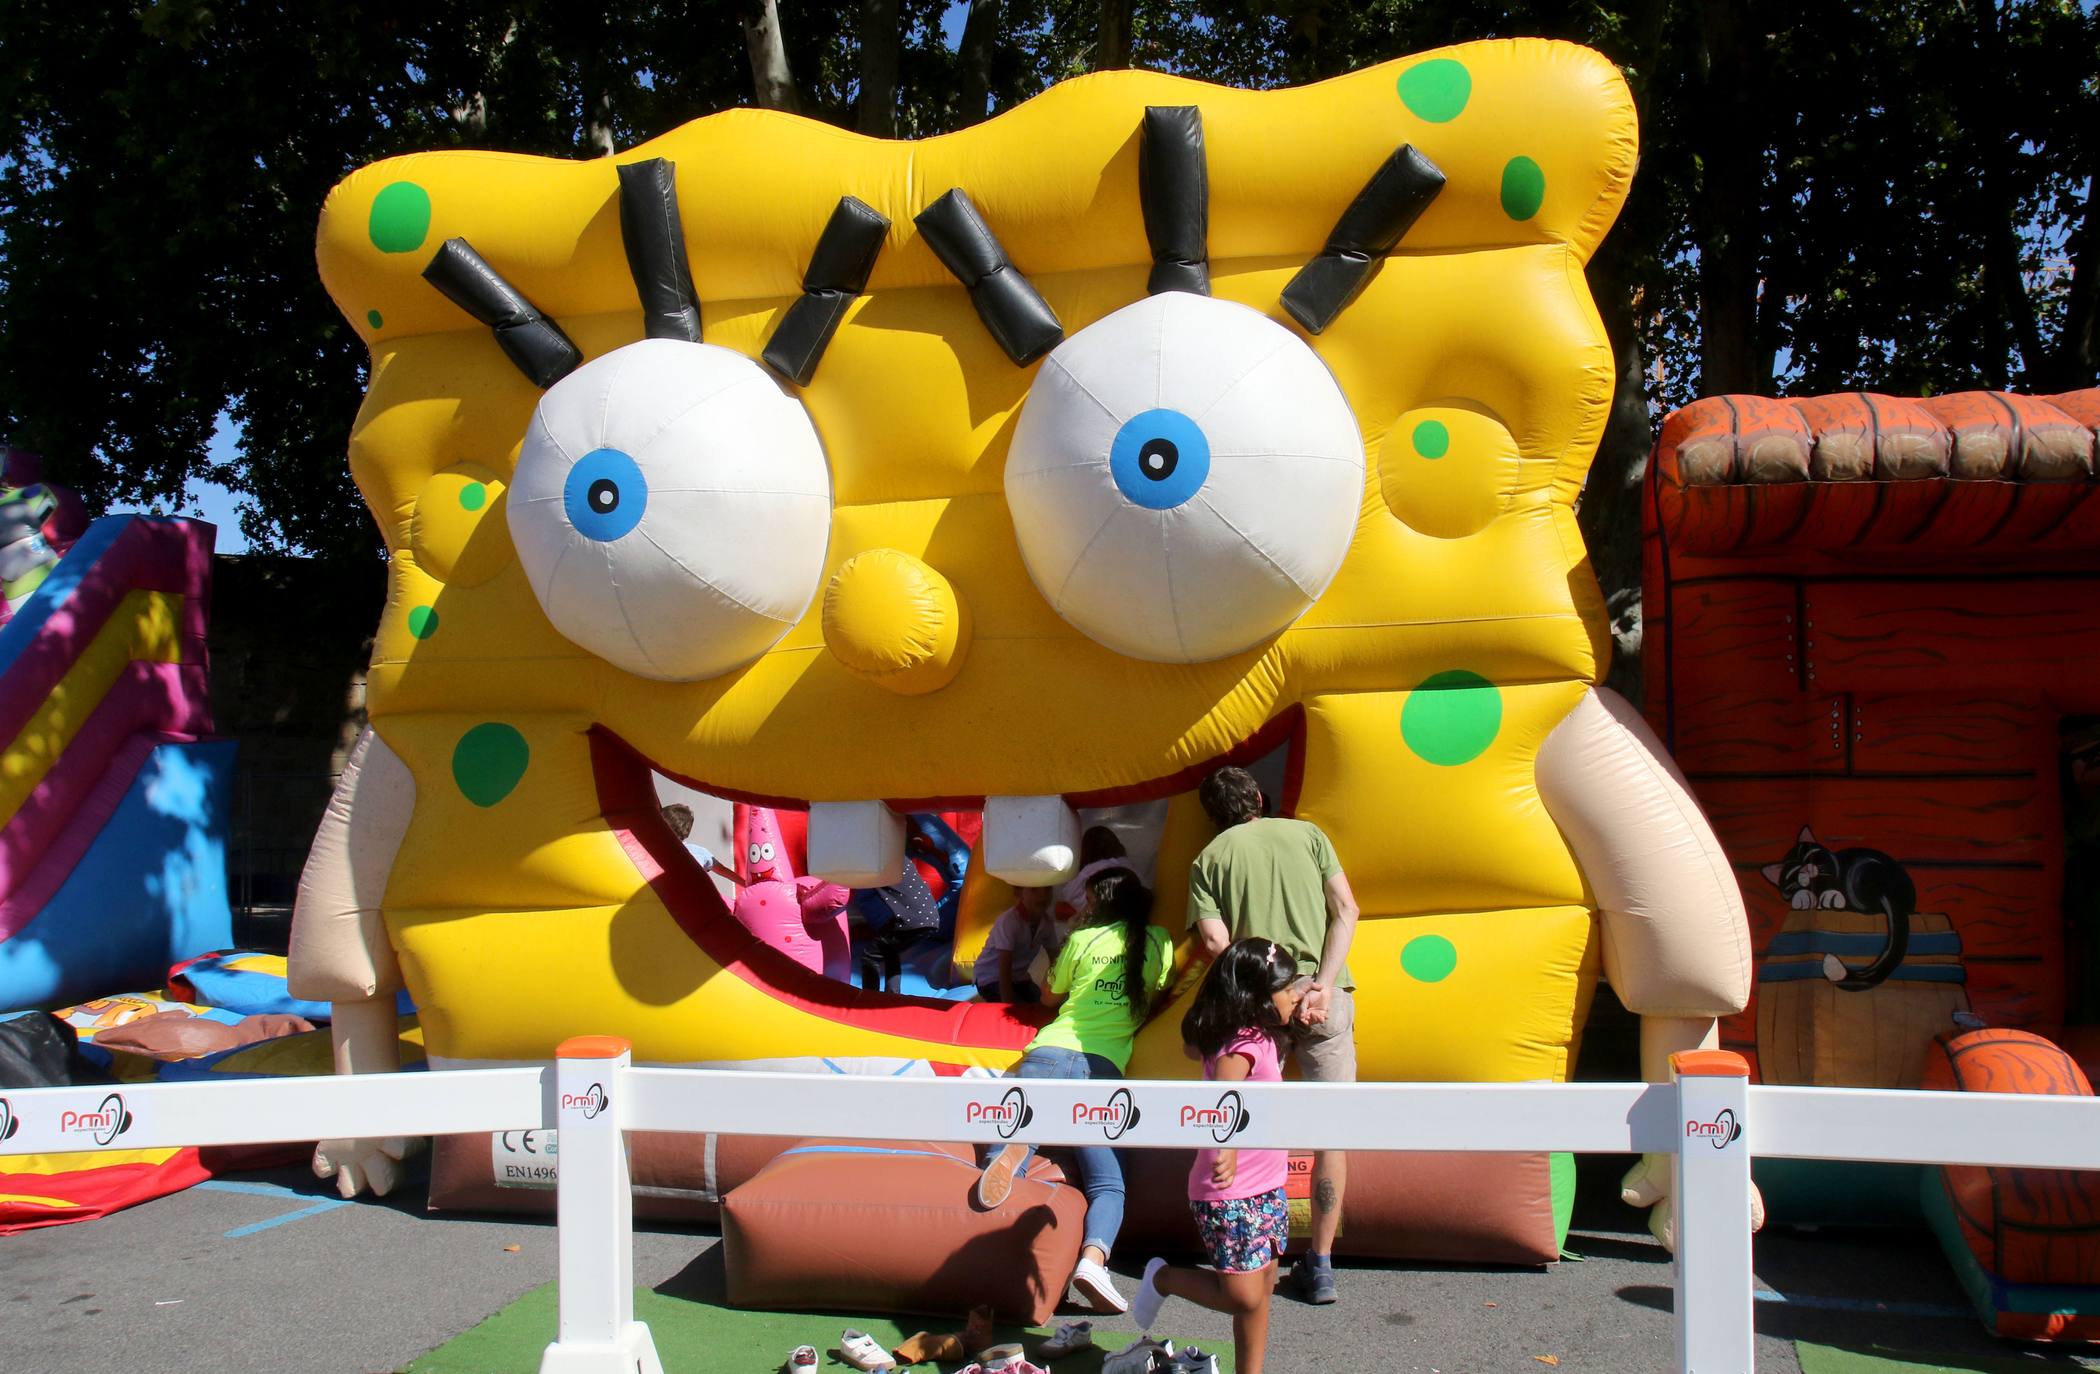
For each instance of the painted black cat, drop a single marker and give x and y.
(1813, 875)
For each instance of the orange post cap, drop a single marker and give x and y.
(593, 1047)
(1709, 1064)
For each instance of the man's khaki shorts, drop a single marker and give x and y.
(1327, 1052)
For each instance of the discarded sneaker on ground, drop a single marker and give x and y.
(803, 1360)
(862, 1351)
(1192, 1361)
(1070, 1337)
(1141, 1356)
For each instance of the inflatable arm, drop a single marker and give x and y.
(340, 952)
(1676, 938)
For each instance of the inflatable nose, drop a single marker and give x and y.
(896, 622)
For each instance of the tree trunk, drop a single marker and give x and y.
(1112, 45)
(1731, 190)
(772, 87)
(472, 113)
(2077, 356)
(876, 109)
(1610, 513)
(973, 62)
(597, 124)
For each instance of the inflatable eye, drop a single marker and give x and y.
(671, 508)
(1184, 479)
(752, 855)
(765, 853)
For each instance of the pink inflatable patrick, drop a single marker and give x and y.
(804, 918)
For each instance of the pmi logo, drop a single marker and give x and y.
(1115, 1117)
(1009, 1114)
(1721, 1132)
(590, 1102)
(103, 1124)
(9, 1122)
(1223, 1121)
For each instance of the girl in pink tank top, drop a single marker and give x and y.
(1235, 1195)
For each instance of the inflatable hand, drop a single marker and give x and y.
(1647, 1184)
(356, 1165)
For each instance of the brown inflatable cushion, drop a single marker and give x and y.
(841, 1225)
(171, 1035)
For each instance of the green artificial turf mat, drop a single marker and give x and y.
(696, 1335)
(1824, 1359)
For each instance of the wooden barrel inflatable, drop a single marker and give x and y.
(1811, 1031)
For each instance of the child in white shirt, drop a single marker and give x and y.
(1023, 930)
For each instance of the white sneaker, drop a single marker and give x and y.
(1144, 1308)
(1098, 1288)
(1070, 1337)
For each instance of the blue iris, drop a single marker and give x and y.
(1159, 459)
(605, 495)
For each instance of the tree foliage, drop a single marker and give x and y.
(1892, 194)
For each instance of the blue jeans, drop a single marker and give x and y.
(1100, 1173)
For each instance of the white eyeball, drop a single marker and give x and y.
(752, 854)
(765, 853)
(1184, 479)
(671, 509)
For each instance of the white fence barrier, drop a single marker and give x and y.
(1709, 1119)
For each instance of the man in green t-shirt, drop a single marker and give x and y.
(1279, 879)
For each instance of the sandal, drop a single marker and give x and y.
(863, 1351)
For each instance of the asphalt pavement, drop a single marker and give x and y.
(271, 1272)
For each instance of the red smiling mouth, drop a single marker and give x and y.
(627, 798)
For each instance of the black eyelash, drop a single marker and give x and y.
(838, 271)
(1019, 319)
(1174, 188)
(531, 340)
(655, 242)
(1390, 202)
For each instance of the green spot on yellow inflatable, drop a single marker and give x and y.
(1523, 188)
(1428, 958)
(1451, 718)
(400, 219)
(1436, 90)
(488, 762)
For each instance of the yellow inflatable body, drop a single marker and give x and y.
(516, 882)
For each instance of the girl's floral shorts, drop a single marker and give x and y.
(1244, 1234)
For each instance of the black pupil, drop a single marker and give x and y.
(604, 495)
(1157, 459)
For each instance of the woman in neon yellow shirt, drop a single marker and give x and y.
(1101, 988)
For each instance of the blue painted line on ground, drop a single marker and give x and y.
(326, 1205)
(224, 1185)
(1866, 1305)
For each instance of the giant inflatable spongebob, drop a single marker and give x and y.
(1033, 468)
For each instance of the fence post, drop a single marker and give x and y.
(594, 1213)
(1711, 1173)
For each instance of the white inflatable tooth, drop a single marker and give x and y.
(1030, 841)
(856, 844)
